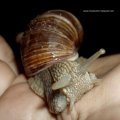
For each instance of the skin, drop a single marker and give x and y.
(18, 102)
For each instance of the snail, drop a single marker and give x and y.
(51, 61)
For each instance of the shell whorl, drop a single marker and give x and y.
(51, 37)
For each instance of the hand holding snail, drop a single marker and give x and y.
(19, 100)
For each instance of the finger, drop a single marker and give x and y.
(6, 55)
(7, 75)
(103, 96)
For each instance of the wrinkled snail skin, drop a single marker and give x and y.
(51, 37)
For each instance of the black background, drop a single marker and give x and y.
(101, 29)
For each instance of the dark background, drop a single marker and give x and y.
(101, 29)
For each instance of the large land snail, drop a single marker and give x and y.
(50, 59)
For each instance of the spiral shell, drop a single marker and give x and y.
(51, 37)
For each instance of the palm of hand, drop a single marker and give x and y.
(18, 102)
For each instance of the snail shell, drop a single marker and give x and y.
(52, 37)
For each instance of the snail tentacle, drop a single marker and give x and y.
(63, 82)
(90, 60)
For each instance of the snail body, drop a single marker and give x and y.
(71, 77)
(51, 37)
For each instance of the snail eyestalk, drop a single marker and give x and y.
(90, 60)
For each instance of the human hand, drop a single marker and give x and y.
(18, 102)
